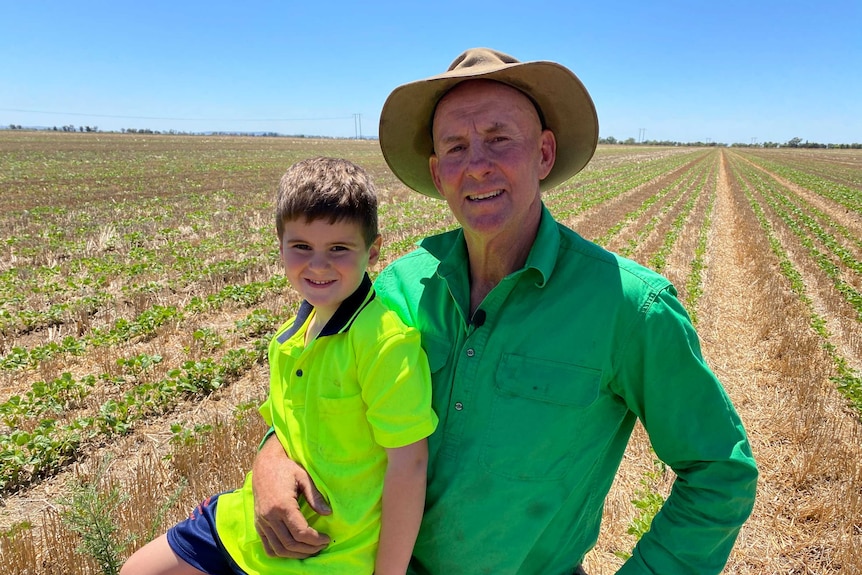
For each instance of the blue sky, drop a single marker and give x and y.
(729, 71)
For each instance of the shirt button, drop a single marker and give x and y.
(298, 373)
(459, 406)
(470, 352)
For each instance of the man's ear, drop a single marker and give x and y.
(548, 151)
(432, 165)
(374, 250)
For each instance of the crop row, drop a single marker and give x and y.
(87, 284)
(694, 281)
(805, 208)
(143, 326)
(847, 196)
(839, 167)
(658, 260)
(847, 380)
(142, 219)
(675, 189)
(28, 454)
(592, 188)
(807, 230)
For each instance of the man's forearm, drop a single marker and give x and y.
(698, 524)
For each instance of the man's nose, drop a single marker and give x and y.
(478, 160)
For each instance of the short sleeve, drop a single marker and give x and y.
(396, 384)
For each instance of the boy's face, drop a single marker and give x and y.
(325, 262)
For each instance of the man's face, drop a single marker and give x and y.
(490, 153)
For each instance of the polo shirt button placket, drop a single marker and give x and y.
(459, 406)
(471, 352)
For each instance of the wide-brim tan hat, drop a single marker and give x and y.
(562, 100)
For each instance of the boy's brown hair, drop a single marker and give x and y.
(327, 188)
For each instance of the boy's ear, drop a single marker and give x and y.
(374, 250)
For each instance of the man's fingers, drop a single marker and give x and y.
(264, 537)
(312, 495)
(298, 530)
(278, 541)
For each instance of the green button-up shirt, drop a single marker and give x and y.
(537, 395)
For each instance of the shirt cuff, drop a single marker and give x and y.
(267, 435)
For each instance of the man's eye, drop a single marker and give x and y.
(339, 248)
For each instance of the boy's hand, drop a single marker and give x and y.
(277, 483)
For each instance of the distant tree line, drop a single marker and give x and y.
(792, 143)
(71, 128)
(178, 133)
(798, 143)
(633, 142)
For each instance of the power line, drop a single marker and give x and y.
(121, 117)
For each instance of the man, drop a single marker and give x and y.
(544, 349)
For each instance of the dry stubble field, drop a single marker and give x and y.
(139, 282)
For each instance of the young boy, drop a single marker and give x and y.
(349, 399)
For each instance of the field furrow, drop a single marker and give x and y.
(835, 301)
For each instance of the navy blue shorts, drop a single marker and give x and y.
(196, 541)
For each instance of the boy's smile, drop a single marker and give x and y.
(325, 262)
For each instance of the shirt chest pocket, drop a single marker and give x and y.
(340, 432)
(534, 421)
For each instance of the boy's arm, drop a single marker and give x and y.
(403, 505)
(277, 483)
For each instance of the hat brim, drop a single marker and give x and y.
(568, 111)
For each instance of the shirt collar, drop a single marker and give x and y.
(343, 317)
(451, 250)
(545, 251)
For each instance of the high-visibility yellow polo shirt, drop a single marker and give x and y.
(361, 386)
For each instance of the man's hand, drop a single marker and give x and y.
(277, 483)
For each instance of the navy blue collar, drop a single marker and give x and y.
(343, 317)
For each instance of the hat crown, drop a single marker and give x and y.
(479, 58)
